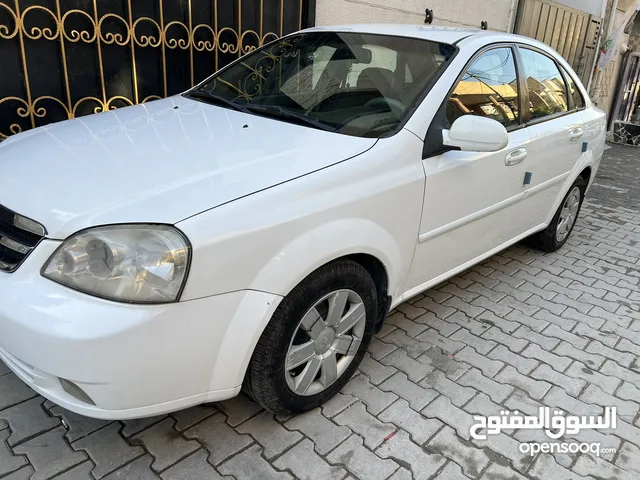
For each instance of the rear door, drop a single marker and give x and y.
(556, 129)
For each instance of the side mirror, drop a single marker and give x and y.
(471, 133)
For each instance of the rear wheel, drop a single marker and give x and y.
(556, 234)
(315, 340)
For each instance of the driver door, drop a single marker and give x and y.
(473, 200)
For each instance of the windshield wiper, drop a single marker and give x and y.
(216, 99)
(282, 113)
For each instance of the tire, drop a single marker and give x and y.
(550, 239)
(300, 324)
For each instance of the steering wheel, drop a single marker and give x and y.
(396, 106)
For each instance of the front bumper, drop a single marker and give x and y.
(131, 360)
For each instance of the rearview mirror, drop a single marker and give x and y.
(471, 133)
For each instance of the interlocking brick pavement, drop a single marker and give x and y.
(519, 331)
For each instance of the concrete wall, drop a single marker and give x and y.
(455, 13)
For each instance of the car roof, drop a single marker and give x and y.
(450, 35)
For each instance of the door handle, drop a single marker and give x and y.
(576, 134)
(515, 157)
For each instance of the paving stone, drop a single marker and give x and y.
(27, 419)
(194, 467)
(401, 474)
(361, 461)
(472, 460)
(628, 391)
(557, 398)
(165, 443)
(486, 293)
(437, 380)
(452, 471)
(628, 432)
(496, 308)
(414, 369)
(608, 339)
(413, 346)
(409, 311)
(481, 345)
(539, 436)
(218, 438)
(487, 282)
(571, 385)
(512, 343)
(606, 439)
(270, 434)
(362, 422)
(444, 362)
(48, 454)
(443, 327)
(434, 339)
(612, 368)
(139, 469)
(379, 349)
(81, 472)
(507, 447)
(131, 427)
(442, 409)
(546, 468)
(79, 426)
(466, 307)
(497, 391)
(588, 464)
(488, 367)
(627, 409)
(521, 363)
(8, 462)
(400, 448)
(409, 327)
(436, 295)
(628, 346)
(524, 332)
(305, 463)
(501, 472)
(488, 320)
(325, 434)
(440, 309)
(528, 320)
(465, 295)
(535, 388)
(557, 332)
(629, 458)
(239, 409)
(374, 370)
(419, 427)
(107, 449)
(417, 396)
(190, 416)
(582, 319)
(249, 465)
(552, 319)
(608, 383)
(13, 391)
(590, 359)
(475, 326)
(375, 398)
(337, 404)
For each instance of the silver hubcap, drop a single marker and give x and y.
(325, 342)
(568, 214)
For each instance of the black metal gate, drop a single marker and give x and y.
(64, 58)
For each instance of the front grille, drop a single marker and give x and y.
(18, 237)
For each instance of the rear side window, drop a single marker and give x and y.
(489, 88)
(578, 101)
(547, 90)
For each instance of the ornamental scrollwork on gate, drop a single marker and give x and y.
(100, 29)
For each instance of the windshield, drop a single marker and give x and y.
(351, 83)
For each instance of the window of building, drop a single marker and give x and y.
(547, 90)
(489, 88)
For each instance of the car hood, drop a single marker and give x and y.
(158, 162)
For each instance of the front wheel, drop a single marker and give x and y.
(315, 340)
(556, 234)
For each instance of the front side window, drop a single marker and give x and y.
(351, 83)
(578, 101)
(547, 90)
(489, 88)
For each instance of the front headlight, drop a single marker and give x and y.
(126, 263)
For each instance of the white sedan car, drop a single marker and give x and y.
(253, 233)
